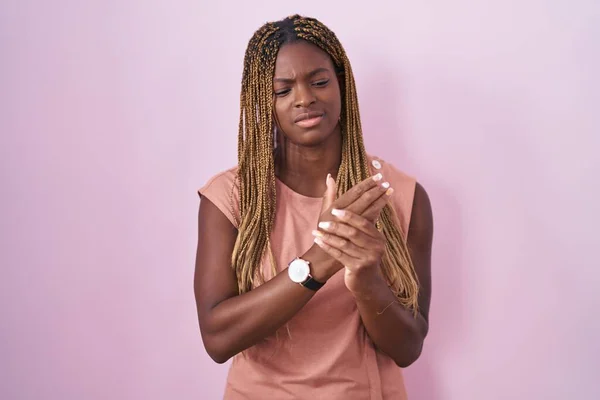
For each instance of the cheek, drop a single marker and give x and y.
(334, 96)
(278, 113)
(336, 103)
(279, 108)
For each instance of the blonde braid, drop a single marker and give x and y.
(256, 164)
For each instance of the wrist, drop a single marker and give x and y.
(368, 284)
(323, 267)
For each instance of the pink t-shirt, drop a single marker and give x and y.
(327, 353)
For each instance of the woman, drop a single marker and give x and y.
(303, 273)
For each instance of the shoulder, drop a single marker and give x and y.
(404, 186)
(223, 178)
(403, 183)
(421, 224)
(222, 190)
(391, 172)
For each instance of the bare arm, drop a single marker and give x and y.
(397, 332)
(231, 323)
(393, 328)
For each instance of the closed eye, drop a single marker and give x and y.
(321, 83)
(281, 93)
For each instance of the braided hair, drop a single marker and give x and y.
(256, 162)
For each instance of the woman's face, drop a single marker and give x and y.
(307, 94)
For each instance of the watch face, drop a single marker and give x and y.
(298, 271)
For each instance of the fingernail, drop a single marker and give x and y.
(317, 233)
(377, 177)
(389, 191)
(318, 241)
(338, 213)
(324, 225)
(385, 185)
(327, 179)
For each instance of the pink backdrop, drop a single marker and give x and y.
(112, 113)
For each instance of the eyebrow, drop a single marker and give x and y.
(309, 75)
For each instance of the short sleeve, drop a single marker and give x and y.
(222, 190)
(404, 190)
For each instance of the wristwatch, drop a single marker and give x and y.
(299, 272)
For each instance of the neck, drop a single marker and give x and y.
(304, 169)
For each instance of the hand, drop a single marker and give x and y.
(354, 242)
(366, 198)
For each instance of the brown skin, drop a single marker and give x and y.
(231, 323)
(359, 246)
(305, 81)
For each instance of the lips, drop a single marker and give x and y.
(308, 115)
(309, 119)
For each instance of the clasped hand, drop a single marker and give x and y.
(347, 232)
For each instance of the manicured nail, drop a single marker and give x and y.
(385, 185)
(327, 179)
(317, 233)
(389, 191)
(324, 225)
(338, 213)
(377, 177)
(319, 241)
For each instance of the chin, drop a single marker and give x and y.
(310, 137)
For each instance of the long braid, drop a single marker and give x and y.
(256, 164)
(255, 159)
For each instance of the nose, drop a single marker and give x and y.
(304, 97)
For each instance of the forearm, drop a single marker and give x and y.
(394, 329)
(355, 242)
(242, 321)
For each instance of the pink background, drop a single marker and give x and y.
(112, 113)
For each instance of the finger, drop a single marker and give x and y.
(329, 195)
(348, 254)
(336, 253)
(359, 223)
(372, 212)
(357, 190)
(368, 198)
(348, 232)
(340, 243)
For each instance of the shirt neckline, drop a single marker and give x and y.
(289, 191)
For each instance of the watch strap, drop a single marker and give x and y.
(312, 284)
